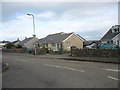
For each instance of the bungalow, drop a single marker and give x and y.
(16, 42)
(116, 40)
(28, 42)
(112, 36)
(61, 40)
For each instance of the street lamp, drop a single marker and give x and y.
(33, 23)
(33, 28)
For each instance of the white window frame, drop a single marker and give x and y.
(68, 44)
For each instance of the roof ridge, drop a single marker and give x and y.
(56, 33)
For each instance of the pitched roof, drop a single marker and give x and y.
(40, 41)
(55, 38)
(81, 37)
(26, 40)
(4, 41)
(117, 36)
(109, 35)
(16, 41)
(85, 43)
(58, 37)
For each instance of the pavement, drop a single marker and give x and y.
(5, 66)
(67, 56)
(36, 71)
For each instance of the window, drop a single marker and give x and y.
(53, 44)
(68, 44)
(58, 45)
(61, 45)
(115, 30)
(46, 45)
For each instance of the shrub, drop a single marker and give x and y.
(19, 46)
(60, 51)
(10, 46)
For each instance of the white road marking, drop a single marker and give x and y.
(65, 67)
(112, 70)
(113, 78)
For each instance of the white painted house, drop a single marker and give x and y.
(28, 42)
(112, 36)
(116, 40)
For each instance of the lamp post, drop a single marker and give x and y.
(33, 30)
(33, 23)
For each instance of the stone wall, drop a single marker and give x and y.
(14, 50)
(95, 52)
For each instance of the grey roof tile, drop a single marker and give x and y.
(26, 40)
(59, 37)
(55, 38)
(109, 35)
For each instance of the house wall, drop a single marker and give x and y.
(17, 43)
(104, 41)
(116, 40)
(55, 47)
(30, 43)
(49, 45)
(72, 41)
(3, 44)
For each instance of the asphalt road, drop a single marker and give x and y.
(29, 71)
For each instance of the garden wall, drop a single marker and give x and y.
(14, 50)
(95, 52)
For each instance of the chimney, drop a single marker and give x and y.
(34, 35)
(18, 39)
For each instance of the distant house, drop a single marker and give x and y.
(3, 43)
(28, 42)
(61, 40)
(112, 36)
(16, 42)
(92, 44)
(116, 40)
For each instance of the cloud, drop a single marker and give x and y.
(46, 15)
(89, 21)
(60, 1)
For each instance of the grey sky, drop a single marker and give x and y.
(91, 20)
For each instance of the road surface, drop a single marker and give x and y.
(29, 71)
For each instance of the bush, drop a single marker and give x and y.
(19, 46)
(60, 51)
(10, 46)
